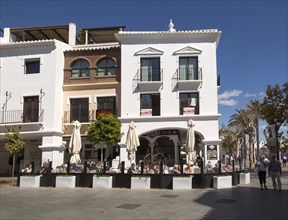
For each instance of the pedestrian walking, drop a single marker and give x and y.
(275, 172)
(262, 169)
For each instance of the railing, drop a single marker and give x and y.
(218, 80)
(20, 116)
(189, 74)
(150, 75)
(84, 117)
(81, 116)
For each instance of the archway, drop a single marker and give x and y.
(165, 145)
(143, 149)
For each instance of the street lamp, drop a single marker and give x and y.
(277, 127)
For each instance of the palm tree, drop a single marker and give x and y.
(255, 108)
(229, 140)
(240, 121)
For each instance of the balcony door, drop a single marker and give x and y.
(31, 109)
(188, 68)
(79, 110)
(150, 69)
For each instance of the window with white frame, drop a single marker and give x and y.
(188, 68)
(150, 69)
(32, 66)
(106, 104)
(189, 103)
(79, 109)
(150, 104)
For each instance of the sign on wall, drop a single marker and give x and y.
(188, 111)
(146, 112)
(211, 152)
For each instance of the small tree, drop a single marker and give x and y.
(13, 144)
(105, 130)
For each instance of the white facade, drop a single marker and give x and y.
(169, 47)
(43, 135)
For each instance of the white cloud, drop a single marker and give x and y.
(248, 95)
(226, 97)
(228, 102)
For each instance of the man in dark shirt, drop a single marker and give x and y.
(275, 172)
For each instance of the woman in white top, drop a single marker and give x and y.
(262, 167)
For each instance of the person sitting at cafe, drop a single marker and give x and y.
(27, 169)
(188, 168)
(132, 169)
(176, 169)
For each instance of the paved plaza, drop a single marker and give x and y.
(240, 202)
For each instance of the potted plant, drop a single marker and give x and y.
(65, 180)
(102, 182)
(13, 143)
(244, 177)
(30, 180)
(222, 181)
(182, 182)
(140, 182)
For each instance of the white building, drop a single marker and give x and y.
(167, 78)
(32, 63)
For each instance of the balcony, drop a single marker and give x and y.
(20, 116)
(149, 78)
(81, 116)
(84, 116)
(189, 77)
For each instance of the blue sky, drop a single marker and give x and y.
(252, 52)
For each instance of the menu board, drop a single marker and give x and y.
(211, 152)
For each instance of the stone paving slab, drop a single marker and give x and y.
(240, 202)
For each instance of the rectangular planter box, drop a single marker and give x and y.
(182, 182)
(140, 182)
(244, 178)
(222, 182)
(29, 181)
(65, 181)
(102, 182)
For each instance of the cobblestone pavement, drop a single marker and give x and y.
(240, 202)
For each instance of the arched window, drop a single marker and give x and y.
(106, 67)
(80, 68)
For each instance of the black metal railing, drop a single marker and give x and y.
(189, 74)
(218, 80)
(150, 75)
(20, 116)
(81, 116)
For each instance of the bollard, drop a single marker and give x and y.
(85, 166)
(104, 167)
(181, 168)
(142, 167)
(68, 166)
(122, 167)
(33, 166)
(161, 167)
(50, 166)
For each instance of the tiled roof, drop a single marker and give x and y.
(27, 44)
(93, 48)
(167, 32)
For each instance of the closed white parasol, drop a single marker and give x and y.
(75, 143)
(132, 141)
(190, 143)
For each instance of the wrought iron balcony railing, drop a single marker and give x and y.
(20, 116)
(185, 74)
(84, 116)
